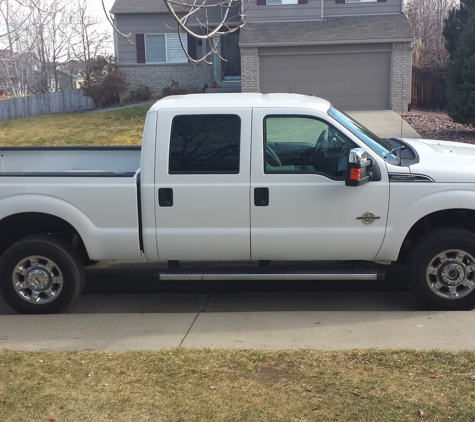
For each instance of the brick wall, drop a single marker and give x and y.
(159, 76)
(401, 76)
(249, 69)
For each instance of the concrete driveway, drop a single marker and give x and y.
(114, 316)
(385, 123)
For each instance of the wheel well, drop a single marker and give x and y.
(18, 226)
(461, 218)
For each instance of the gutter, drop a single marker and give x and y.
(322, 42)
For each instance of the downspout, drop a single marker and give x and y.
(321, 8)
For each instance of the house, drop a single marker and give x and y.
(356, 53)
(70, 75)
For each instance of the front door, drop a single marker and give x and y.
(202, 200)
(300, 206)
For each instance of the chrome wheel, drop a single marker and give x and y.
(37, 279)
(450, 274)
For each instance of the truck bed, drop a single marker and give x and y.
(92, 188)
(64, 161)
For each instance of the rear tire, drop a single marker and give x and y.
(441, 269)
(41, 274)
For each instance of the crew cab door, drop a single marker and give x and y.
(300, 206)
(202, 182)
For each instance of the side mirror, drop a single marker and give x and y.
(358, 162)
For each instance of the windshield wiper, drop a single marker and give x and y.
(398, 150)
(396, 153)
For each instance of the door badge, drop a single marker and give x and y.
(368, 218)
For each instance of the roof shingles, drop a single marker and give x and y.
(335, 29)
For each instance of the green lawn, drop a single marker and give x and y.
(241, 386)
(123, 126)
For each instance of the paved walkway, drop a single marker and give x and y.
(266, 320)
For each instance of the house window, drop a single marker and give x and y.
(165, 48)
(274, 2)
(282, 2)
(205, 144)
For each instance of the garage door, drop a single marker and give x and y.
(349, 80)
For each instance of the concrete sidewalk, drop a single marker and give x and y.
(256, 320)
(385, 123)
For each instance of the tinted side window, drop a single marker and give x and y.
(204, 144)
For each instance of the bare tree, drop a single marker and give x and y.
(205, 20)
(39, 38)
(427, 21)
(90, 41)
(50, 28)
(14, 61)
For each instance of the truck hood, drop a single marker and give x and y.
(444, 161)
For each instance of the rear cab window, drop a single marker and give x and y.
(205, 144)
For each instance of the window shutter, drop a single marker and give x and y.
(380, 0)
(339, 1)
(191, 41)
(140, 45)
(261, 2)
(303, 1)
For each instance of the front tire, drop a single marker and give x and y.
(441, 269)
(41, 274)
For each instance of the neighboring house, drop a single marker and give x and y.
(356, 53)
(70, 75)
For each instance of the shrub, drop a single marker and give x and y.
(104, 81)
(175, 89)
(142, 93)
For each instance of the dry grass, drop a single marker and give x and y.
(223, 385)
(116, 127)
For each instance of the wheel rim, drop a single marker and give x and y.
(37, 279)
(450, 274)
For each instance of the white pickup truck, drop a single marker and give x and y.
(244, 178)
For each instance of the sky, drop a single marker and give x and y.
(96, 4)
(96, 8)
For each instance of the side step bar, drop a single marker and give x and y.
(320, 274)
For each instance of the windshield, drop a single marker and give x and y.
(373, 141)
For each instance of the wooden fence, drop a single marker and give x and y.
(429, 88)
(50, 103)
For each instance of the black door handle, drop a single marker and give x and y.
(165, 197)
(261, 197)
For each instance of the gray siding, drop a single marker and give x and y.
(140, 24)
(312, 10)
(343, 9)
(290, 12)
